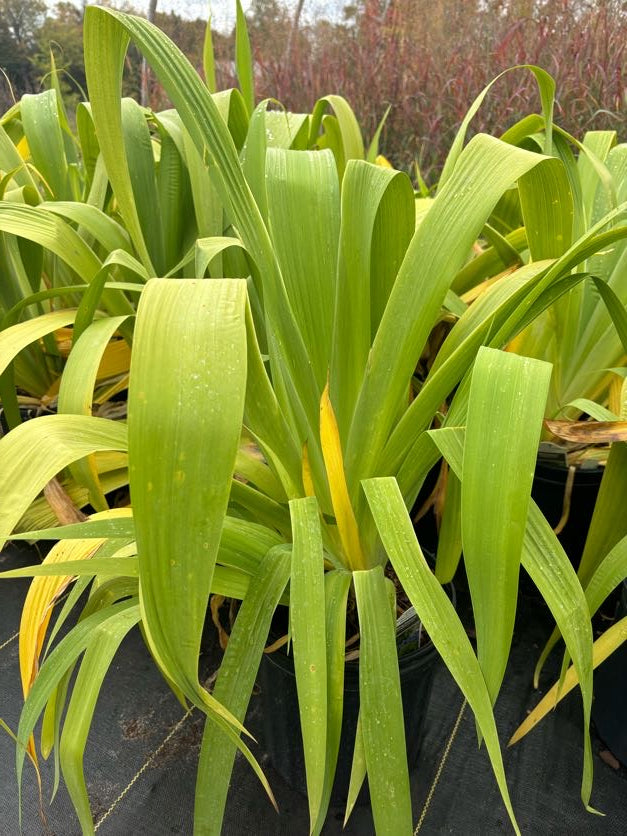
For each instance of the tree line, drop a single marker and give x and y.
(426, 59)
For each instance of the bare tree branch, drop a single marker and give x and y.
(145, 73)
(294, 30)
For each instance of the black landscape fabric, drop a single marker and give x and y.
(136, 712)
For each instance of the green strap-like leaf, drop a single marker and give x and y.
(175, 196)
(507, 309)
(547, 206)
(590, 166)
(456, 355)
(606, 644)
(10, 160)
(123, 566)
(615, 309)
(208, 249)
(485, 169)
(141, 170)
(76, 394)
(244, 59)
(336, 588)
(104, 229)
(586, 245)
(373, 149)
(105, 86)
(123, 616)
(254, 470)
(450, 534)
(115, 527)
(104, 642)
(52, 233)
(42, 128)
(557, 583)
(607, 527)
(611, 572)
(436, 613)
(234, 685)
(608, 524)
(254, 155)
(31, 454)
(55, 235)
(303, 192)
(358, 772)
(506, 406)
(489, 263)
(265, 419)
(90, 151)
(260, 507)
(379, 685)
(349, 143)
(546, 87)
(106, 38)
(242, 544)
(189, 354)
(552, 572)
(15, 338)
(208, 60)
(307, 625)
(230, 582)
(207, 204)
(593, 409)
(378, 220)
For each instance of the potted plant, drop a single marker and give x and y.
(576, 333)
(68, 256)
(342, 313)
(577, 336)
(602, 572)
(606, 570)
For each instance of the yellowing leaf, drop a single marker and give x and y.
(476, 291)
(334, 463)
(63, 337)
(52, 392)
(603, 647)
(42, 595)
(22, 148)
(116, 360)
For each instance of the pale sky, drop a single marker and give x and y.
(223, 11)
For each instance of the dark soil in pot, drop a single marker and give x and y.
(609, 707)
(281, 736)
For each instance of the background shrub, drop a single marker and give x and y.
(427, 59)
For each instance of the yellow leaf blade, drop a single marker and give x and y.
(334, 463)
(603, 647)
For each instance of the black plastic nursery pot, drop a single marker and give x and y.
(609, 707)
(549, 491)
(425, 524)
(281, 723)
